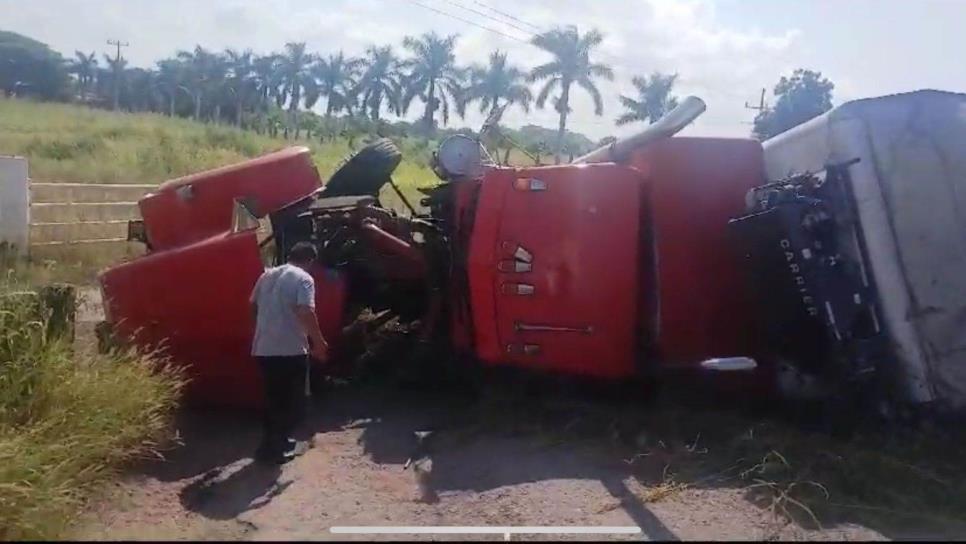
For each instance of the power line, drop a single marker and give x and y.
(761, 104)
(467, 21)
(488, 16)
(119, 45)
(760, 108)
(507, 15)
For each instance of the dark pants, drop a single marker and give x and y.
(284, 386)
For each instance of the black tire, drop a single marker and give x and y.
(366, 172)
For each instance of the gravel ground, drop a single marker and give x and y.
(210, 489)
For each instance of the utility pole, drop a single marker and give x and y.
(761, 107)
(117, 71)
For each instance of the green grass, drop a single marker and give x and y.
(68, 421)
(66, 143)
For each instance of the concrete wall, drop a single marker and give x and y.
(14, 203)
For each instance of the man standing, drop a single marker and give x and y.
(286, 331)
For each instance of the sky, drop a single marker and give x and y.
(724, 51)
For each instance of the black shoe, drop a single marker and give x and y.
(296, 448)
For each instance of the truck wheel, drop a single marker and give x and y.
(365, 172)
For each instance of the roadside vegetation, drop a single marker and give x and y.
(68, 421)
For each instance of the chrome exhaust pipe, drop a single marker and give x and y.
(687, 111)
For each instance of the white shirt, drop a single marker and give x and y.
(278, 332)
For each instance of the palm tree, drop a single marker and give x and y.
(85, 68)
(267, 80)
(117, 67)
(241, 82)
(432, 76)
(201, 71)
(571, 64)
(498, 86)
(169, 82)
(337, 78)
(297, 81)
(217, 85)
(653, 101)
(380, 82)
(140, 90)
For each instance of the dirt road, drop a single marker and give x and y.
(210, 489)
(506, 457)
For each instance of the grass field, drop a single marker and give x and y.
(65, 143)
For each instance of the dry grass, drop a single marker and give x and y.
(889, 479)
(68, 421)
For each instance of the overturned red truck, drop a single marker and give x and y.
(657, 253)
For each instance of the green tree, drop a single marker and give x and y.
(116, 68)
(337, 76)
(240, 84)
(297, 81)
(169, 82)
(653, 100)
(85, 68)
(571, 64)
(380, 83)
(310, 123)
(30, 68)
(140, 92)
(432, 75)
(267, 79)
(801, 97)
(498, 85)
(201, 74)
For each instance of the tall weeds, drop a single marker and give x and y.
(68, 422)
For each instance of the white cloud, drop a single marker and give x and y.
(724, 66)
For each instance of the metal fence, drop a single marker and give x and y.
(87, 216)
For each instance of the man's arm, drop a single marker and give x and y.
(305, 311)
(310, 324)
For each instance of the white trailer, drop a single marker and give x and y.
(910, 195)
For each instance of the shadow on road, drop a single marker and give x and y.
(226, 492)
(472, 452)
(515, 434)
